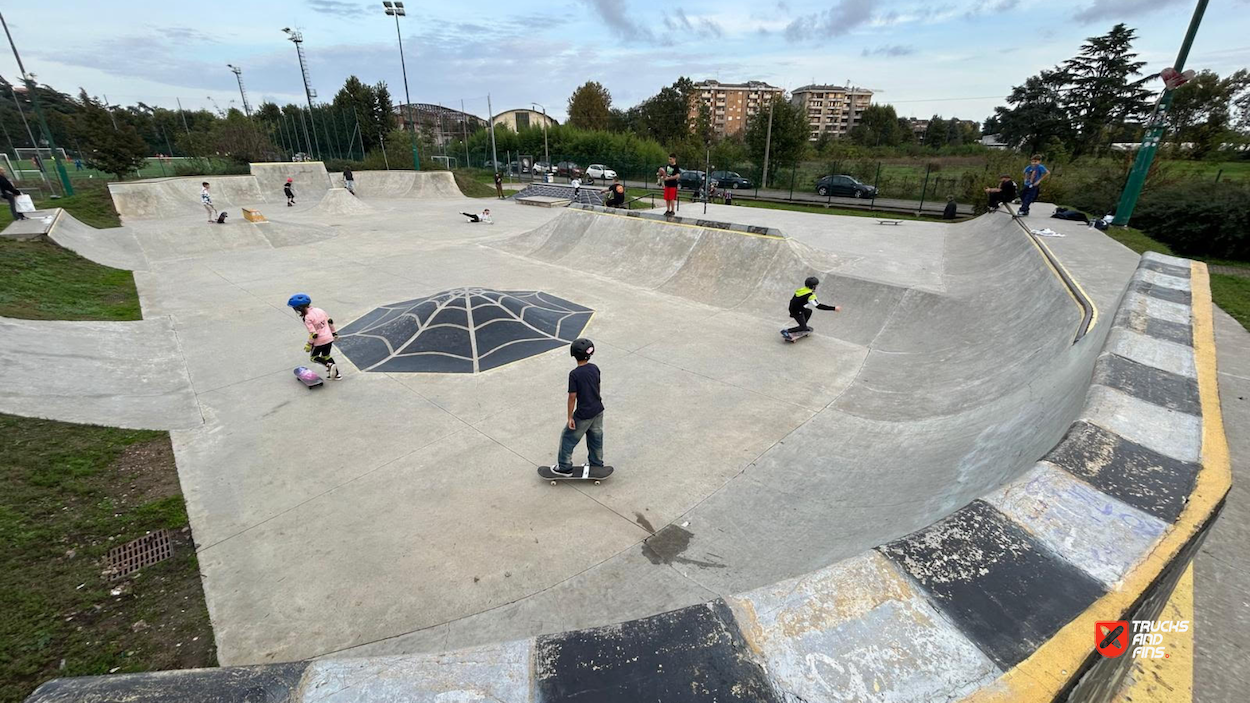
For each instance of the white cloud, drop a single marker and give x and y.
(1122, 9)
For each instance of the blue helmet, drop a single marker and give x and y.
(299, 300)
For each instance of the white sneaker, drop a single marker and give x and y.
(333, 372)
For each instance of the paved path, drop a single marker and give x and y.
(1222, 568)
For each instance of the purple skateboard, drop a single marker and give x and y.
(308, 377)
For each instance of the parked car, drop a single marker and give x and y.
(518, 167)
(845, 186)
(542, 167)
(494, 165)
(729, 179)
(568, 169)
(691, 180)
(600, 172)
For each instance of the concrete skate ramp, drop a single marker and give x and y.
(120, 374)
(957, 392)
(187, 237)
(173, 197)
(338, 202)
(115, 247)
(309, 179)
(393, 185)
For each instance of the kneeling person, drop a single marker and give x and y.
(802, 302)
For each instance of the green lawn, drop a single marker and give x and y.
(68, 494)
(41, 281)
(90, 203)
(1231, 293)
(472, 186)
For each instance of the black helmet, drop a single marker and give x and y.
(581, 349)
(811, 282)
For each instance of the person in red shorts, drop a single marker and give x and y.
(671, 174)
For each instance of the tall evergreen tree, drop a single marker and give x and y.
(117, 150)
(590, 106)
(1036, 114)
(1102, 89)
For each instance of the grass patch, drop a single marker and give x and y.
(1137, 240)
(1232, 294)
(90, 203)
(41, 281)
(473, 188)
(68, 494)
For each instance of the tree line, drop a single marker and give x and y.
(1099, 97)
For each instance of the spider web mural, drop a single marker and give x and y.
(464, 330)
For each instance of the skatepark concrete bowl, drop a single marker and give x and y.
(400, 513)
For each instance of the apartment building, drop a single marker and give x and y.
(732, 104)
(831, 109)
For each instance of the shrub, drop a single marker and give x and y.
(1213, 220)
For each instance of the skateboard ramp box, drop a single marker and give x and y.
(338, 201)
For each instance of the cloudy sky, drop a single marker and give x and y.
(954, 57)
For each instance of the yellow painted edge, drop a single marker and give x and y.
(680, 224)
(1169, 680)
(1093, 309)
(1049, 670)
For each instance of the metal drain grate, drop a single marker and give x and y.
(136, 554)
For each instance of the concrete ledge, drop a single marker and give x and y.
(35, 226)
(679, 220)
(996, 601)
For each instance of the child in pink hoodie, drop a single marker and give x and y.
(321, 333)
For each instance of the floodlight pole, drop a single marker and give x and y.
(1154, 129)
(297, 38)
(396, 10)
(43, 123)
(494, 155)
(238, 75)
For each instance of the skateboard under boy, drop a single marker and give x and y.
(585, 472)
(308, 377)
(793, 337)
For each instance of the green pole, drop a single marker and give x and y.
(43, 123)
(1154, 130)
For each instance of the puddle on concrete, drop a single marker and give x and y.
(667, 546)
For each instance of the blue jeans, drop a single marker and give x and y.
(593, 429)
(1027, 198)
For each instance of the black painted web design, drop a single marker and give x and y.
(463, 330)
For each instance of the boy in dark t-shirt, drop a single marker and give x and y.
(585, 409)
(672, 175)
